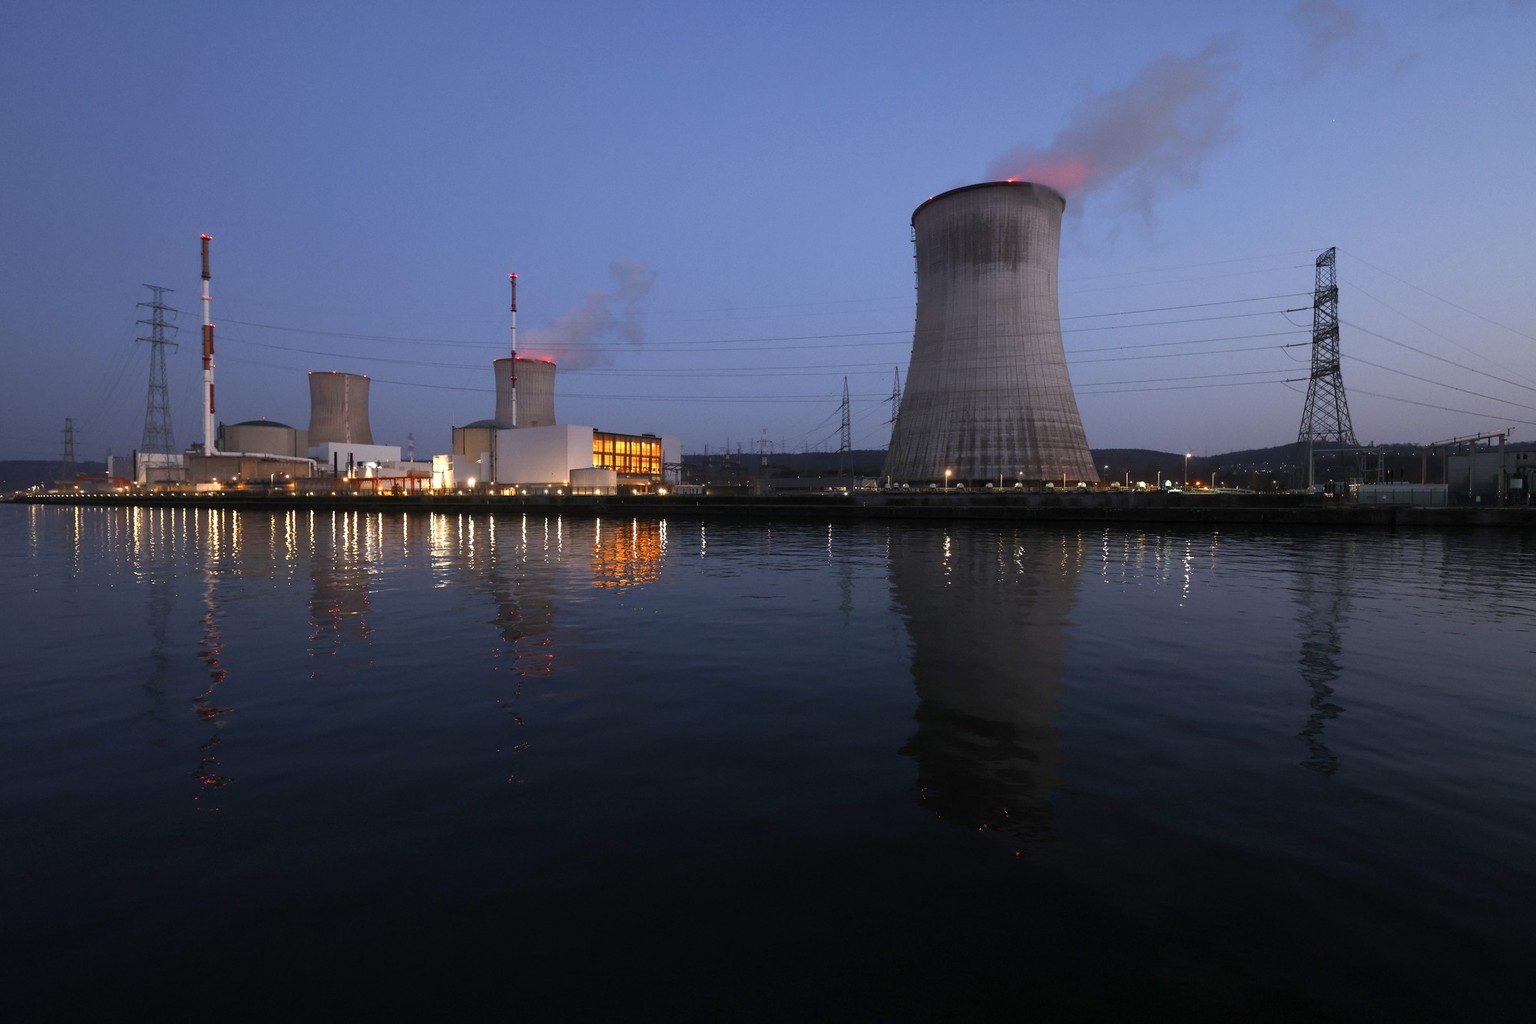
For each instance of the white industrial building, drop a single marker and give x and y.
(566, 459)
(524, 450)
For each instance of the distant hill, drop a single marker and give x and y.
(1276, 468)
(722, 467)
(1258, 468)
(1137, 463)
(19, 474)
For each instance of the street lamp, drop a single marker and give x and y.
(947, 472)
(1186, 469)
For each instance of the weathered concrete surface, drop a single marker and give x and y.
(988, 395)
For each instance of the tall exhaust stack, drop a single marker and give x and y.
(512, 363)
(988, 396)
(208, 406)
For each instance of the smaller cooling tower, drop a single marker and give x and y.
(338, 409)
(535, 392)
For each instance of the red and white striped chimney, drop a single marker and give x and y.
(208, 406)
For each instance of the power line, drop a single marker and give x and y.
(1209, 263)
(1160, 380)
(734, 343)
(1442, 359)
(1438, 383)
(1441, 408)
(1074, 357)
(1425, 327)
(1188, 387)
(1440, 298)
(355, 335)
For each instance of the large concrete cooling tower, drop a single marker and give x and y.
(535, 392)
(988, 396)
(338, 409)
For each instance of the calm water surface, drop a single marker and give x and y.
(302, 766)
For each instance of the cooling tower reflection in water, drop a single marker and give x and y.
(988, 622)
(345, 547)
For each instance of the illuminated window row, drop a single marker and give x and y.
(626, 454)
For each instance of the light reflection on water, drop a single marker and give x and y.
(1223, 761)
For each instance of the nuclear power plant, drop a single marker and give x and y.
(522, 450)
(988, 398)
(988, 402)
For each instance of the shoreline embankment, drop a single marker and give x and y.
(1127, 508)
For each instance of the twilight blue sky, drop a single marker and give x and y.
(708, 206)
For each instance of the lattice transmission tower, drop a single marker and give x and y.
(845, 434)
(1325, 419)
(67, 468)
(157, 412)
(845, 431)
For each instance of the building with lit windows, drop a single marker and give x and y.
(523, 449)
(635, 458)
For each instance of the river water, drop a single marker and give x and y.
(305, 765)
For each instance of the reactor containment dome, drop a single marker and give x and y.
(988, 397)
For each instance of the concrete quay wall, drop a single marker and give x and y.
(1299, 510)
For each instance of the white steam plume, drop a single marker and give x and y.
(581, 338)
(1146, 138)
(1330, 33)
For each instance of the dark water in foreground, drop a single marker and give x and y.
(297, 766)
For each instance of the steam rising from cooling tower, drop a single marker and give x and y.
(988, 395)
(535, 395)
(583, 337)
(338, 409)
(1145, 138)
